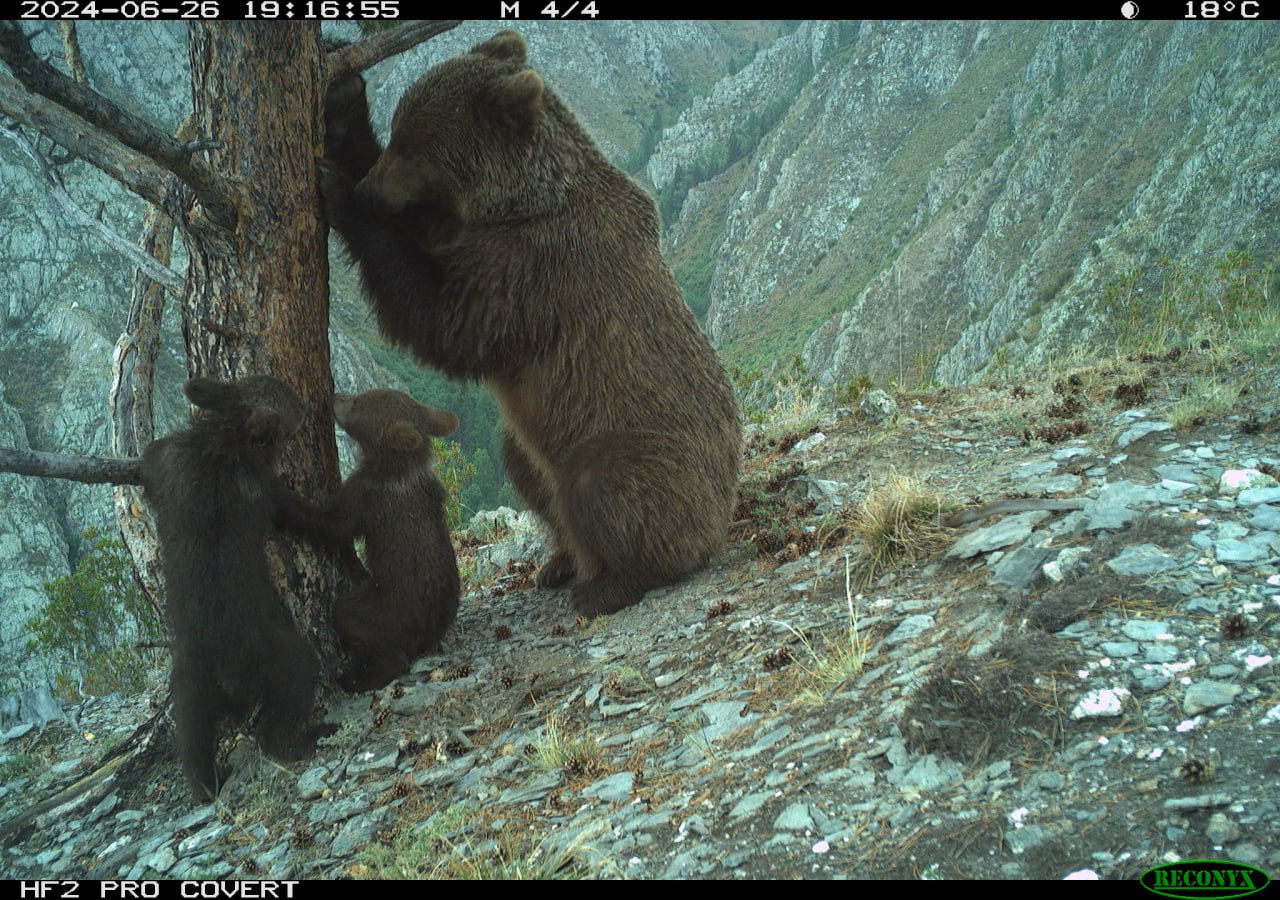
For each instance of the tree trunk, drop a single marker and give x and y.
(257, 299)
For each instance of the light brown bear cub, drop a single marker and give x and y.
(498, 243)
(395, 501)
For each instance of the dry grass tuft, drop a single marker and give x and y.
(897, 522)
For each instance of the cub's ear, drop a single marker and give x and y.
(401, 437)
(209, 393)
(438, 422)
(517, 101)
(506, 44)
(263, 426)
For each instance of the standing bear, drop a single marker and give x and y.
(498, 243)
(216, 497)
(395, 501)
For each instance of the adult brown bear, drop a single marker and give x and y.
(216, 498)
(499, 244)
(394, 500)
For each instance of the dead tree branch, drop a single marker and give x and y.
(133, 170)
(361, 55)
(160, 150)
(133, 366)
(169, 279)
(86, 469)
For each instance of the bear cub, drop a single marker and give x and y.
(498, 243)
(235, 648)
(395, 501)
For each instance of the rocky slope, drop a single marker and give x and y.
(942, 199)
(1088, 692)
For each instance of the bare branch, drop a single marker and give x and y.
(136, 172)
(97, 111)
(86, 469)
(361, 55)
(165, 276)
(132, 372)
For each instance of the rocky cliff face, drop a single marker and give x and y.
(942, 198)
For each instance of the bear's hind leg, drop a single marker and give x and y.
(287, 696)
(195, 727)
(635, 502)
(532, 486)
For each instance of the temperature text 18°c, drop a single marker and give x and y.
(1223, 9)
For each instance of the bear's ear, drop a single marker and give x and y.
(438, 422)
(517, 101)
(208, 393)
(506, 44)
(401, 437)
(263, 426)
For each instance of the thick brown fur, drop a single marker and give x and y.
(395, 501)
(216, 498)
(498, 243)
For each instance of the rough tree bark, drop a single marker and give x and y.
(257, 300)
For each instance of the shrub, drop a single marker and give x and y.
(97, 618)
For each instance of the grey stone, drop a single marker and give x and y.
(536, 790)
(1258, 496)
(877, 406)
(1020, 840)
(910, 627)
(1208, 695)
(724, 718)
(1139, 431)
(1009, 530)
(750, 804)
(1233, 550)
(1221, 830)
(1120, 649)
(929, 773)
(828, 494)
(1266, 518)
(613, 789)
(1127, 493)
(356, 831)
(311, 783)
(1142, 559)
(201, 839)
(1145, 630)
(1022, 567)
(809, 443)
(1108, 518)
(1049, 781)
(1180, 472)
(794, 818)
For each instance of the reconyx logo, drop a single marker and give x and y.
(1194, 879)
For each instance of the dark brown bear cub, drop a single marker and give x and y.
(498, 243)
(216, 497)
(395, 501)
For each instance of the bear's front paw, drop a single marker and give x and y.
(345, 106)
(336, 187)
